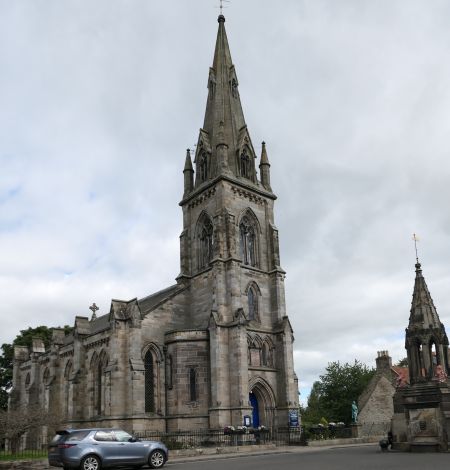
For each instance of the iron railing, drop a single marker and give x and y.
(222, 438)
(30, 447)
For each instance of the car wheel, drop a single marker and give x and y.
(157, 459)
(91, 462)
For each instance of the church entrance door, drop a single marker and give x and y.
(255, 409)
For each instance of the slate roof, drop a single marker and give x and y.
(148, 303)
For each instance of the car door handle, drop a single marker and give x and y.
(122, 444)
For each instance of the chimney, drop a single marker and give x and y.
(384, 361)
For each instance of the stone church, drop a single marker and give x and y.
(214, 347)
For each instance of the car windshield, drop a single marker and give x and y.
(122, 436)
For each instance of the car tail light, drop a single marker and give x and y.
(66, 446)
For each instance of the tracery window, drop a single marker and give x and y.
(245, 164)
(149, 383)
(248, 241)
(205, 242)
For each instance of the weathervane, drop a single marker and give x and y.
(416, 239)
(222, 6)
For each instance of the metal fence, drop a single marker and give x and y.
(26, 448)
(30, 447)
(221, 438)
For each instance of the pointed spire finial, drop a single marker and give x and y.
(221, 7)
(416, 239)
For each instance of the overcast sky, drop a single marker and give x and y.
(100, 99)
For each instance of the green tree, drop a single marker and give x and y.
(339, 386)
(25, 338)
(313, 411)
(402, 362)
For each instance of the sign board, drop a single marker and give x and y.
(293, 419)
(247, 421)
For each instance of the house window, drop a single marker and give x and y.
(149, 383)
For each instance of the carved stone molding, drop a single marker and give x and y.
(248, 195)
(202, 197)
(99, 342)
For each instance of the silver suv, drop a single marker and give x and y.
(93, 449)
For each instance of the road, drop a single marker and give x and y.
(348, 458)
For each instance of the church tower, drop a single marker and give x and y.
(216, 348)
(421, 419)
(230, 260)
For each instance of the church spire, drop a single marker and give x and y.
(423, 312)
(224, 145)
(426, 340)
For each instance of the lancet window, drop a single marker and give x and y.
(149, 382)
(248, 240)
(245, 164)
(252, 302)
(205, 242)
(66, 389)
(99, 366)
(203, 166)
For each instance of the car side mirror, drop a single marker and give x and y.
(133, 439)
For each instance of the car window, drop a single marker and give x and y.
(58, 438)
(76, 436)
(122, 436)
(104, 436)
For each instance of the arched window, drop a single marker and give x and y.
(66, 389)
(149, 383)
(99, 397)
(245, 165)
(254, 348)
(203, 166)
(205, 242)
(252, 299)
(99, 364)
(192, 384)
(169, 372)
(249, 248)
(266, 355)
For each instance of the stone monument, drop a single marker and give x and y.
(421, 421)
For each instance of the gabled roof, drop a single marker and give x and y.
(150, 302)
